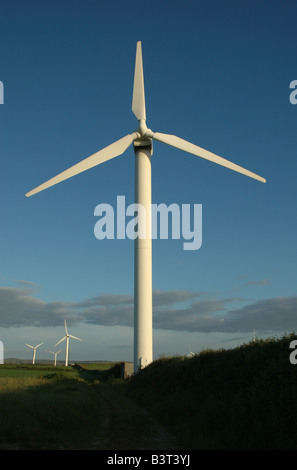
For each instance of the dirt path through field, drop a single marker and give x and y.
(127, 426)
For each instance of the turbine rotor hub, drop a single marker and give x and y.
(143, 130)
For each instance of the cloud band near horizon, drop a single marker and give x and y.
(176, 310)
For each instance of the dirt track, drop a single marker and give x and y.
(127, 426)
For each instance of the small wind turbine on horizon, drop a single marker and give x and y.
(67, 336)
(142, 141)
(191, 354)
(55, 354)
(34, 350)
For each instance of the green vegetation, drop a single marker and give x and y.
(244, 398)
(25, 370)
(78, 407)
(50, 408)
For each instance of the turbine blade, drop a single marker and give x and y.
(113, 150)
(38, 345)
(138, 101)
(29, 346)
(65, 327)
(200, 152)
(60, 341)
(74, 337)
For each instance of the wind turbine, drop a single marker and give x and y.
(142, 141)
(67, 336)
(55, 354)
(34, 350)
(191, 354)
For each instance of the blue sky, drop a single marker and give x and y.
(217, 73)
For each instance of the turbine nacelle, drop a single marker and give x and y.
(143, 137)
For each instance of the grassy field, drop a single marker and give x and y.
(242, 398)
(44, 407)
(78, 407)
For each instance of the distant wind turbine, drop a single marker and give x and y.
(67, 336)
(191, 354)
(142, 142)
(34, 350)
(55, 354)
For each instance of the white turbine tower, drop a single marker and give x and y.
(34, 350)
(55, 354)
(142, 141)
(67, 336)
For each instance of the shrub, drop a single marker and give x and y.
(243, 398)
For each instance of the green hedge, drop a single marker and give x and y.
(243, 398)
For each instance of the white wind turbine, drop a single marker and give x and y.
(67, 336)
(142, 141)
(55, 354)
(34, 350)
(191, 354)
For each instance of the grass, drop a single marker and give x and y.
(97, 366)
(24, 370)
(80, 407)
(238, 399)
(52, 410)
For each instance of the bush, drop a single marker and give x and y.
(242, 398)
